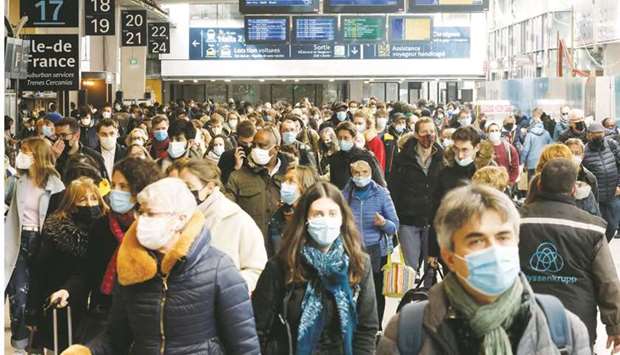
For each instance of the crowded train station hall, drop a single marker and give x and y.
(311, 177)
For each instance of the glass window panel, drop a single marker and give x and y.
(305, 90)
(244, 92)
(391, 92)
(217, 91)
(378, 90)
(281, 92)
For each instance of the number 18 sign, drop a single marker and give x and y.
(50, 13)
(133, 28)
(99, 18)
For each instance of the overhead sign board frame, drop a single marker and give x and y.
(246, 29)
(432, 6)
(362, 6)
(279, 7)
(50, 13)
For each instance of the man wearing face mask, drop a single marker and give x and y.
(233, 159)
(564, 252)
(256, 186)
(175, 291)
(412, 183)
(340, 113)
(390, 140)
(535, 141)
(88, 132)
(562, 123)
(289, 131)
(110, 150)
(340, 161)
(68, 144)
(485, 305)
(182, 134)
(577, 127)
(602, 158)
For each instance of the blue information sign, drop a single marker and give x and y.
(326, 51)
(266, 29)
(447, 42)
(229, 43)
(315, 29)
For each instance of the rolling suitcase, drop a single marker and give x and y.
(69, 328)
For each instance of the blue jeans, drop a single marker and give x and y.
(611, 214)
(19, 286)
(414, 243)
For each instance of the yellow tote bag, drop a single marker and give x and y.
(398, 278)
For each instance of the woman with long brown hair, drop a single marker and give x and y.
(38, 180)
(60, 267)
(317, 295)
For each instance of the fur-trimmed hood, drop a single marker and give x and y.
(484, 157)
(135, 264)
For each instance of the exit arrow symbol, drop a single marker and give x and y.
(354, 50)
(195, 43)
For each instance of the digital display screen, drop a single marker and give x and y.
(315, 29)
(266, 29)
(410, 29)
(363, 28)
(363, 6)
(448, 5)
(278, 6)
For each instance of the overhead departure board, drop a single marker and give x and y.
(266, 29)
(278, 6)
(448, 5)
(315, 28)
(363, 28)
(410, 29)
(363, 6)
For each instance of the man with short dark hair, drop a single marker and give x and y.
(68, 132)
(289, 130)
(564, 252)
(181, 134)
(110, 150)
(233, 159)
(160, 125)
(88, 132)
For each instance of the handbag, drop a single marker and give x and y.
(398, 278)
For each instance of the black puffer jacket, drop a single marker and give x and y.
(411, 188)
(340, 166)
(271, 293)
(190, 301)
(603, 162)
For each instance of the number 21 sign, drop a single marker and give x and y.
(133, 28)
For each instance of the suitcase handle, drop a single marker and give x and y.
(69, 328)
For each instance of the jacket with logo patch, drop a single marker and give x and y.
(564, 253)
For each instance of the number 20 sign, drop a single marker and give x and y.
(99, 17)
(133, 28)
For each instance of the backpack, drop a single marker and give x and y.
(411, 331)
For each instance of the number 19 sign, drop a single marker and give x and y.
(99, 18)
(133, 28)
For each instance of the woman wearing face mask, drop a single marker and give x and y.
(45, 129)
(317, 295)
(176, 294)
(296, 181)
(376, 219)
(129, 177)
(339, 162)
(60, 277)
(233, 231)
(328, 146)
(216, 149)
(37, 181)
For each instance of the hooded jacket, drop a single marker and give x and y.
(535, 141)
(564, 253)
(190, 301)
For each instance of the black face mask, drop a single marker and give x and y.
(196, 194)
(509, 126)
(580, 126)
(87, 214)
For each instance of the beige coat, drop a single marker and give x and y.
(235, 233)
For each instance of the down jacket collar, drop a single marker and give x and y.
(135, 264)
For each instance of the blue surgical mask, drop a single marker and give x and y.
(289, 137)
(176, 149)
(120, 201)
(345, 146)
(341, 116)
(399, 129)
(160, 135)
(48, 131)
(493, 270)
(464, 162)
(289, 193)
(324, 230)
(361, 181)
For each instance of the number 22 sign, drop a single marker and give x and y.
(133, 28)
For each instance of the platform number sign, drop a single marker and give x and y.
(99, 18)
(159, 38)
(133, 28)
(50, 13)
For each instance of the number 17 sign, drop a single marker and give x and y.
(50, 13)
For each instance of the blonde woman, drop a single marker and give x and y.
(37, 181)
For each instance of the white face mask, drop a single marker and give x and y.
(106, 114)
(582, 190)
(23, 161)
(86, 121)
(232, 124)
(465, 161)
(260, 156)
(155, 232)
(447, 142)
(495, 137)
(108, 143)
(218, 149)
(381, 123)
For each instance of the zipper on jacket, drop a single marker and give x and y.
(162, 306)
(362, 220)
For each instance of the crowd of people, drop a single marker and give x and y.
(205, 228)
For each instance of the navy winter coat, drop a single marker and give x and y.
(603, 163)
